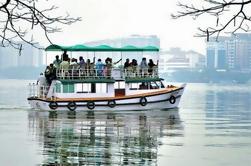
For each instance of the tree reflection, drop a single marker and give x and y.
(102, 138)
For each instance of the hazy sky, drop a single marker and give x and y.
(104, 19)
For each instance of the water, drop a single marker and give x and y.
(211, 127)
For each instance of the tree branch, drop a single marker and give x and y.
(18, 15)
(218, 9)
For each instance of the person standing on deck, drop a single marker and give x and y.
(57, 62)
(99, 67)
(42, 85)
(143, 67)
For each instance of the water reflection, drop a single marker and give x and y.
(228, 116)
(103, 138)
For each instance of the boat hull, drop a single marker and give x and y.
(167, 100)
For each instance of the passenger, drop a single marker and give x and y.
(47, 74)
(143, 67)
(65, 55)
(81, 63)
(53, 72)
(64, 68)
(89, 67)
(57, 62)
(151, 66)
(42, 83)
(100, 67)
(127, 63)
(73, 68)
(134, 65)
(109, 65)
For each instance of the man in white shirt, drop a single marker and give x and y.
(42, 82)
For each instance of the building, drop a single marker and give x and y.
(177, 59)
(230, 53)
(30, 57)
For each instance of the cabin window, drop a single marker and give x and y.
(134, 86)
(154, 85)
(101, 88)
(83, 88)
(68, 88)
(160, 84)
(119, 85)
(58, 88)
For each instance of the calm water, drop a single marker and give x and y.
(211, 127)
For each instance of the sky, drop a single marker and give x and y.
(105, 19)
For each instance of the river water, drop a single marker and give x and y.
(212, 127)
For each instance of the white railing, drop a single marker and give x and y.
(37, 90)
(136, 72)
(116, 73)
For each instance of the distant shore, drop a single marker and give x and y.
(208, 76)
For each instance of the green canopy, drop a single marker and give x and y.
(101, 48)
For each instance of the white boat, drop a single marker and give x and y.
(122, 89)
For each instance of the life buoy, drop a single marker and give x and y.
(111, 103)
(172, 99)
(90, 105)
(72, 106)
(143, 101)
(53, 105)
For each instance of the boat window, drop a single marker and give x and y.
(119, 85)
(134, 86)
(154, 85)
(58, 88)
(68, 88)
(83, 88)
(101, 88)
(160, 84)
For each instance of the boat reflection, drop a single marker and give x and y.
(103, 138)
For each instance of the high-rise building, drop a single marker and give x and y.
(230, 53)
(30, 57)
(216, 54)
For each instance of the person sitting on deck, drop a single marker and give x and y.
(57, 62)
(127, 63)
(99, 67)
(151, 66)
(134, 66)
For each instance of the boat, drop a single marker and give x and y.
(117, 88)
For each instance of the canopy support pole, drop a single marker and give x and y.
(121, 63)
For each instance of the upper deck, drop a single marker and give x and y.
(92, 72)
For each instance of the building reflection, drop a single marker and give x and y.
(98, 138)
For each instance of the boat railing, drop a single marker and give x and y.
(87, 73)
(37, 91)
(137, 72)
(115, 73)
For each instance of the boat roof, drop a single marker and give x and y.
(101, 48)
